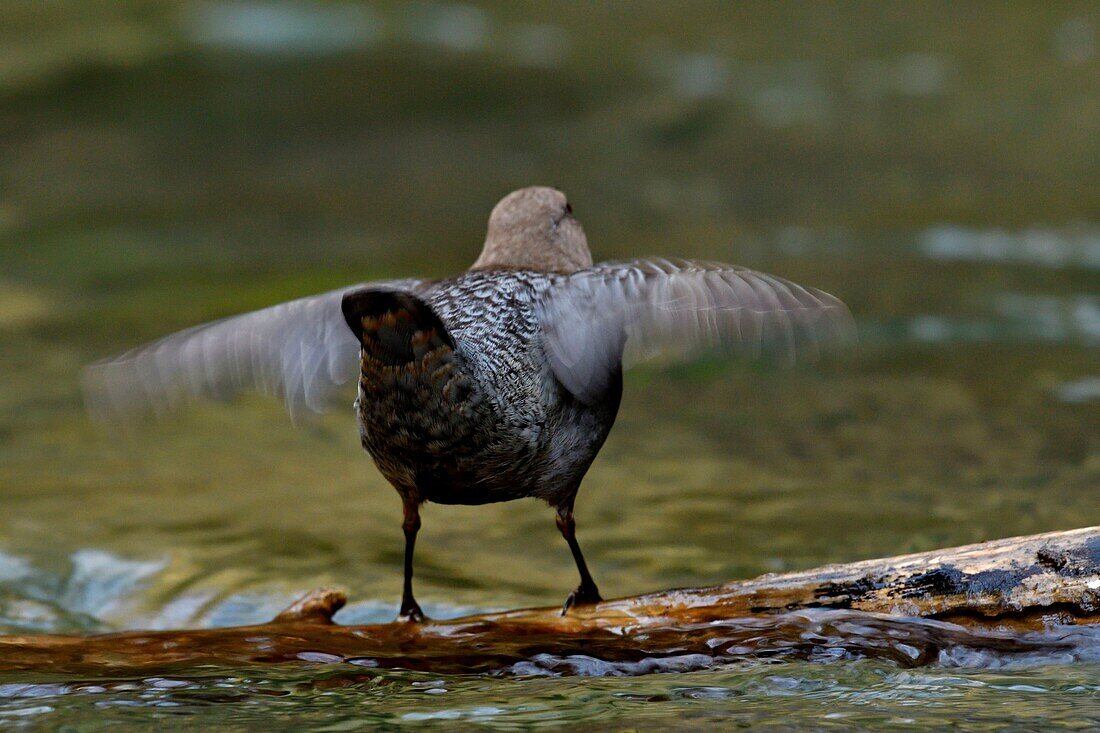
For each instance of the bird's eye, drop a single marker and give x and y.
(568, 208)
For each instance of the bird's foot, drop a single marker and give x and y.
(410, 613)
(582, 596)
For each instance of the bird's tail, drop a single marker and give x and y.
(396, 328)
(413, 384)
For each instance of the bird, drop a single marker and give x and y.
(499, 383)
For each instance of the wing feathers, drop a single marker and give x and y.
(595, 321)
(624, 312)
(300, 352)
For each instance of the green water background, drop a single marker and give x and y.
(935, 165)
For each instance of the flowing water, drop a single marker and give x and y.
(168, 163)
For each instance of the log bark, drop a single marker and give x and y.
(997, 596)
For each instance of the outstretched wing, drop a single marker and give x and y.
(300, 351)
(629, 311)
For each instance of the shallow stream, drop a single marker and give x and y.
(168, 166)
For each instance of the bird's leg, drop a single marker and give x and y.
(586, 593)
(410, 611)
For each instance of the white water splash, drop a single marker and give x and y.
(102, 583)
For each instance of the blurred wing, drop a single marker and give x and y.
(300, 352)
(635, 310)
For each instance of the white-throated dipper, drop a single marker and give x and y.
(500, 383)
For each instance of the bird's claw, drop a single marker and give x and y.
(411, 613)
(582, 596)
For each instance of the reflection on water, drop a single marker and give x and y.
(1075, 246)
(763, 695)
(1013, 317)
(285, 28)
(1082, 390)
(168, 163)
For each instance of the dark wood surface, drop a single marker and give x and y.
(997, 595)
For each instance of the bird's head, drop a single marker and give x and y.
(534, 229)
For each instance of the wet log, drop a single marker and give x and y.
(1010, 596)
